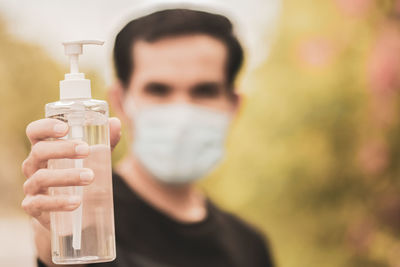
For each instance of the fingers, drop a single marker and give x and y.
(115, 131)
(37, 204)
(41, 180)
(43, 219)
(46, 128)
(42, 151)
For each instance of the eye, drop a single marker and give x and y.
(206, 90)
(157, 89)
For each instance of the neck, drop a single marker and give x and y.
(181, 202)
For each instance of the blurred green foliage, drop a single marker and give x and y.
(312, 158)
(311, 161)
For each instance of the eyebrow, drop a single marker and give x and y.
(157, 85)
(201, 85)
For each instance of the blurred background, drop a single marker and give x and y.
(313, 157)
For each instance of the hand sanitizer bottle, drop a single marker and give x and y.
(85, 235)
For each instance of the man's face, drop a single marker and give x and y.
(183, 69)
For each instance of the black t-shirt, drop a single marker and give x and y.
(146, 237)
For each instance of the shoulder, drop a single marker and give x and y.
(238, 230)
(232, 222)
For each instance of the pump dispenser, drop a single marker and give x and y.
(75, 85)
(86, 234)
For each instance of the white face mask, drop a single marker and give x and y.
(178, 143)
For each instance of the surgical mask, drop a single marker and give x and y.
(178, 143)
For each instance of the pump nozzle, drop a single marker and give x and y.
(75, 85)
(75, 48)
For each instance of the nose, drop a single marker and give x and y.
(181, 98)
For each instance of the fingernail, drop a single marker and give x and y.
(82, 149)
(60, 128)
(73, 200)
(86, 176)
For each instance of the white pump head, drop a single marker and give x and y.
(75, 85)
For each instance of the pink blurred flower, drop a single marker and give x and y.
(373, 157)
(360, 235)
(356, 8)
(316, 51)
(384, 63)
(383, 70)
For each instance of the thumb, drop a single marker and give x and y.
(115, 131)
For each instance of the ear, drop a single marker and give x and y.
(116, 96)
(236, 100)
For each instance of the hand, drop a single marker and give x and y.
(37, 202)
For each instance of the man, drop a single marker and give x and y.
(175, 92)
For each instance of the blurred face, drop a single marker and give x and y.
(186, 69)
(178, 143)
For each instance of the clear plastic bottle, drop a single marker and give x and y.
(85, 235)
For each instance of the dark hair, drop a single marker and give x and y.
(175, 22)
